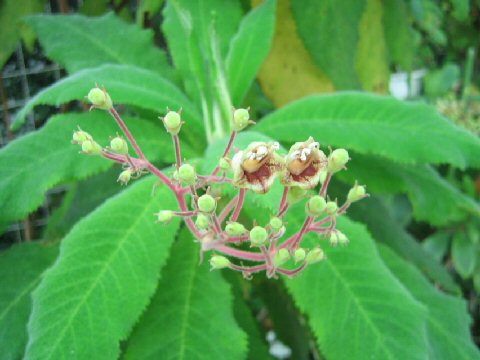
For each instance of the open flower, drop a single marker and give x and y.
(256, 167)
(304, 164)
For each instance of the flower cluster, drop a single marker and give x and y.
(253, 169)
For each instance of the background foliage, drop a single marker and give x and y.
(103, 281)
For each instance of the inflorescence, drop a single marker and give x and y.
(254, 169)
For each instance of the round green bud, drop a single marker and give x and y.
(219, 262)
(276, 223)
(299, 255)
(356, 193)
(80, 136)
(240, 119)
(331, 208)
(119, 145)
(337, 160)
(206, 203)
(281, 257)
(125, 177)
(100, 99)
(323, 176)
(295, 194)
(202, 222)
(186, 174)
(258, 236)
(315, 206)
(314, 255)
(235, 229)
(164, 215)
(224, 164)
(91, 147)
(172, 122)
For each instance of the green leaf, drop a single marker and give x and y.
(354, 304)
(248, 48)
(464, 254)
(370, 124)
(437, 244)
(448, 322)
(78, 42)
(434, 199)
(108, 268)
(127, 85)
(330, 33)
(21, 267)
(40, 160)
(190, 316)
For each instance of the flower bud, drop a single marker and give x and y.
(241, 119)
(186, 174)
(276, 224)
(125, 177)
(299, 255)
(80, 136)
(164, 215)
(314, 255)
(224, 164)
(337, 160)
(219, 262)
(202, 222)
(172, 122)
(100, 99)
(119, 145)
(91, 147)
(356, 193)
(281, 257)
(206, 203)
(331, 208)
(235, 229)
(315, 206)
(258, 236)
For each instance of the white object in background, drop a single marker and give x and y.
(399, 86)
(277, 349)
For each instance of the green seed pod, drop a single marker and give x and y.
(281, 257)
(80, 136)
(235, 229)
(337, 160)
(356, 193)
(119, 145)
(186, 174)
(202, 222)
(100, 99)
(241, 119)
(333, 239)
(219, 262)
(331, 208)
(342, 238)
(125, 177)
(224, 164)
(276, 224)
(315, 206)
(206, 203)
(295, 194)
(314, 255)
(91, 147)
(299, 255)
(172, 122)
(258, 236)
(164, 215)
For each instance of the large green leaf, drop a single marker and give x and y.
(191, 315)
(78, 42)
(40, 160)
(108, 268)
(448, 322)
(406, 132)
(21, 267)
(354, 304)
(126, 84)
(248, 49)
(330, 33)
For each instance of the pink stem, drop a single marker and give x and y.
(283, 211)
(185, 213)
(227, 150)
(162, 177)
(323, 190)
(248, 269)
(296, 238)
(283, 202)
(240, 254)
(178, 156)
(127, 132)
(266, 254)
(216, 223)
(227, 209)
(183, 206)
(234, 239)
(238, 208)
(321, 222)
(292, 273)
